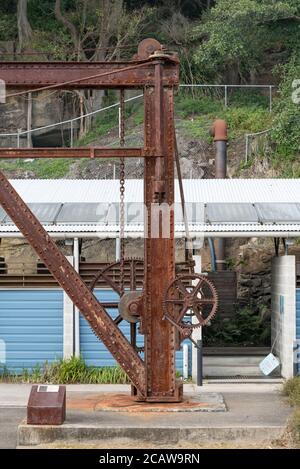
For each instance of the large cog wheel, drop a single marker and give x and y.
(190, 301)
(110, 274)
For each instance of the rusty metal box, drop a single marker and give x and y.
(46, 405)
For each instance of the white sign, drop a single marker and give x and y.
(51, 388)
(269, 364)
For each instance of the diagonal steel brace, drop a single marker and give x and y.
(99, 320)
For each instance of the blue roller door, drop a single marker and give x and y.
(298, 326)
(93, 351)
(31, 327)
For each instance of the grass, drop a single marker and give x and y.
(44, 169)
(71, 371)
(292, 390)
(109, 120)
(245, 114)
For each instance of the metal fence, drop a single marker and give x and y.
(223, 92)
(257, 144)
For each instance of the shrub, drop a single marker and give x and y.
(245, 328)
(71, 371)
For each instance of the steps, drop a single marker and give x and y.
(234, 365)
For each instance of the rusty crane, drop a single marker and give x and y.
(169, 306)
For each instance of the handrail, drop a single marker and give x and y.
(19, 133)
(69, 121)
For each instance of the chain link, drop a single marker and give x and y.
(122, 190)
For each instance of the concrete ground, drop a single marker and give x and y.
(257, 415)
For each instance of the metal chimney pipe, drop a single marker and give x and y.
(219, 132)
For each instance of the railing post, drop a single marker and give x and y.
(270, 98)
(72, 135)
(29, 120)
(226, 95)
(18, 138)
(246, 150)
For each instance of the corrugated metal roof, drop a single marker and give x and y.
(279, 212)
(231, 213)
(196, 190)
(83, 213)
(264, 206)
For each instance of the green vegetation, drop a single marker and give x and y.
(235, 37)
(221, 41)
(71, 371)
(287, 113)
(292, 390)
(245, 328)
(42, 168)
(242, 117)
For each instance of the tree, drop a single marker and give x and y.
(98, 29)
(285, 131)
(235, 36)
(24, 28)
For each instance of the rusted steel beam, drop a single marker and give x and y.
(80, 152)
(101, 323)
(159, 251)
(131, 74)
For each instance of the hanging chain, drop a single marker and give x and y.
(188, 239)
(122, 188)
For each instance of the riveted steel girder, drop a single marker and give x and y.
(74, 75)
(100, 321)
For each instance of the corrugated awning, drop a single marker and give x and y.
(273, 207)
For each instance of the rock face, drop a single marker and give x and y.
(47, 108)
(251, 259)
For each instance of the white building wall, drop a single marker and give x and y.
(284, 311)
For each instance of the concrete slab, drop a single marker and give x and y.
(257, 417)
(16, 395)
(124, 402)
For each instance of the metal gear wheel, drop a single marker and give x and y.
(190, 301)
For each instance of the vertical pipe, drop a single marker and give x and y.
(221, 159)
(118, 248)
(185, 349)
(219, 131)
(197, 334)
(76, 310)
(199, 363)
(270, 98)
